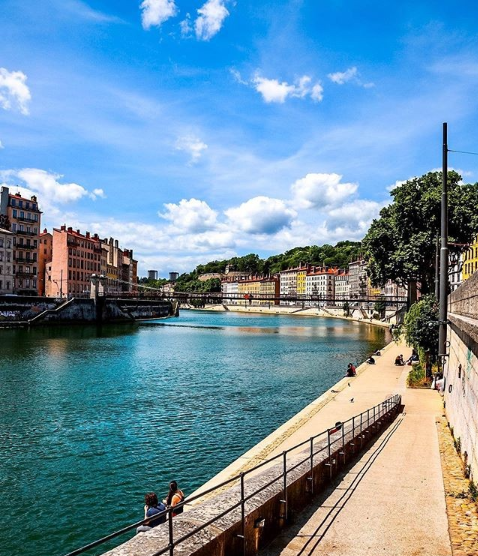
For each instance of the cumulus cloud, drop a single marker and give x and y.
(352, 219)
(211, 18)
(261, 215)
(47, 186)
(350, 75)
(14, 92)
(156, 12)
(1, 145)
(190, 215)
(321, 191)
(341, 77)
(192, 145)
(272, 90)
(186, 26)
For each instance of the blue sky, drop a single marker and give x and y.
(198, 130)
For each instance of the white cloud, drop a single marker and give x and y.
(321, 191)
(341, 77)
(352, 219)
(186, 26)
(317, 93)
(81, 9)
(191, 145)
(261, 215)
(190, 215)
(156, 12)
(211, 17)
(50, 192)
(349, 75)
(97, 193)
(274, 91)
(14, 92)
(1, 145)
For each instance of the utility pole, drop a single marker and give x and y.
(437, 268)
(444, 250)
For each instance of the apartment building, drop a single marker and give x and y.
(320, 283)
(342, 287)
(230, 288)
(22, 217)
(75, 257)
(129, 275)
(470, 260)
(292, 280)
(6, 262)
(114, 266)
(45, 253)
(358, 279)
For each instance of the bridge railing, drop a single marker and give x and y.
(318, 448)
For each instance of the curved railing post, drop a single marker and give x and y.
(170, 527)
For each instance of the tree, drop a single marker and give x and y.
(400, 245)
(421, 325)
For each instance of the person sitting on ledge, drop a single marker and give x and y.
(399, 360)
(175, 497)
(152, 507)
(351, 371)
(378, 353)
(371, 360)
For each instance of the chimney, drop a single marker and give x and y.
(70, 229)
(88, 235)
(78, 232)
(63, 228)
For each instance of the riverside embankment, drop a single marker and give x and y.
(403, 479)
(337, 313)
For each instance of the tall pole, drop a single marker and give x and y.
(437, 268)
(444, 250)
(61, 283)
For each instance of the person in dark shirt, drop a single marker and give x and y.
(152, 507)
(351, 370)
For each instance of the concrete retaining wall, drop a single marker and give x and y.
(461, 371)
(223, 537)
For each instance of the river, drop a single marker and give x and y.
(92, 418)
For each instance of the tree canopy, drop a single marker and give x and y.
(400, 245)
(326, 255)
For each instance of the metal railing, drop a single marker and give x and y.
(314, 450)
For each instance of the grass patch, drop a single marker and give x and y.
(417, 377)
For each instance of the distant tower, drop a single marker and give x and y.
(173, 276)
(152, 274)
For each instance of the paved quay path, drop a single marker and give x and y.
(392, 501)
(373, 384)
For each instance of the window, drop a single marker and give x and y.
(14, 227)
(22, 214)
(8, 285)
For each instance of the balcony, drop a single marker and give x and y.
(27, 219)
(72, 242)
(26, 274)
(23, 260)
(20, 246)
(25, 233)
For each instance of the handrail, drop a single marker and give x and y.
(368, 418)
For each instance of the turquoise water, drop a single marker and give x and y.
(92, 418)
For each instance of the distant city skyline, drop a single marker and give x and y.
(201, 130)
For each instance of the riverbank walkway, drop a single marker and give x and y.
(392, 501)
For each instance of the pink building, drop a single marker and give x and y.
(75, 257)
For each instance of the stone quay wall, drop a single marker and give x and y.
(268, 508)
(461, 372)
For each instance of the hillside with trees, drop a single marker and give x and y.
(326, 255)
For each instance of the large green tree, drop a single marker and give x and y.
(400, 245)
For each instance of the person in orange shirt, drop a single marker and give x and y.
(175, 497)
